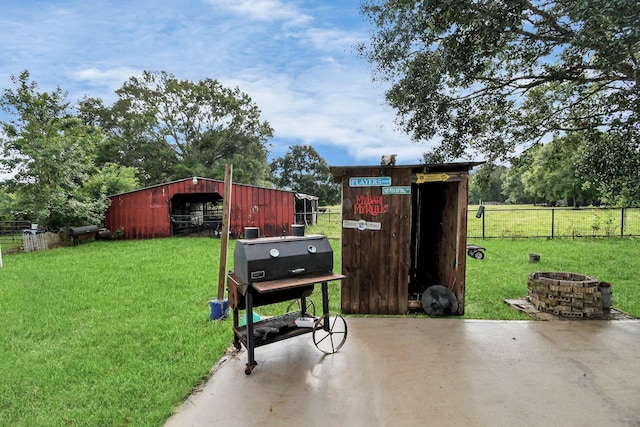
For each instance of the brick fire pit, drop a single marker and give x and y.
(565, 294)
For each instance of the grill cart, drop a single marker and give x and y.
(272, 270)
(475, 251)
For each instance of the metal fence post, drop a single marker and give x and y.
(622, 222)
(553, 222)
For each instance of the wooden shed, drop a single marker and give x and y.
(194, 205)
(404, 230)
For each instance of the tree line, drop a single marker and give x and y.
(551, 88)
(572, 171)
(64, 160)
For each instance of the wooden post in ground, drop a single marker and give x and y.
(226, 214)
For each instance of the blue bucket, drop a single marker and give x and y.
(219, 309)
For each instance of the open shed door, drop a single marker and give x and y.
(438, 234)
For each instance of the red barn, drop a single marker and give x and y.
(194, 205)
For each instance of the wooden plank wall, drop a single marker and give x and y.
(447, 246)
(376, 262)
(459, 289)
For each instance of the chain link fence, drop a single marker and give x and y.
(500, 222)
(485, 222)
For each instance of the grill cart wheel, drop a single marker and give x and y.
(295, 305)
(330, 333)
(249, 368)
(478, 255)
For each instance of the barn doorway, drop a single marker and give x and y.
(197, 213)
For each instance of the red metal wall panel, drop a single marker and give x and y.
(146, 213)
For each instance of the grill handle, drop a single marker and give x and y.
(297, 271)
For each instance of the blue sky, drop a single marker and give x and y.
(295, 58)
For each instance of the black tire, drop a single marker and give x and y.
(438, 300)
(478, 255)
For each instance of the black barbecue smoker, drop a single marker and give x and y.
(269, 270)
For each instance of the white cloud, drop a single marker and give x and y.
(295, 59)
(265, 10)
(109, 78)
(333, 39)
(331, 107)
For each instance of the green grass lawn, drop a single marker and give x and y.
(7, 243)
(110, 333)
(107, 333)
(503, 273)
(118, 333)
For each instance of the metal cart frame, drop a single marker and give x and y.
(273, 291)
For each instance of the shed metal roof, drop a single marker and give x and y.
(339, 171)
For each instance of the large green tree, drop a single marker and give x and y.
(552, 175)
(303, 170)
(485, 183)
(512, 186)
(110, 179)
(7, 204)
(583, 167)
(553, 172)
(49, 154)
(483, 77)
(610, 166)
(169, 129)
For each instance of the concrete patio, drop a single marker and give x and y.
(433, 371)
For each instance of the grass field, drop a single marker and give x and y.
(531, 221)
(106, 333)
(109, 333)
(504, 271)
(118, 333)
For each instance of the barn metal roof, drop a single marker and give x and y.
(191, 179)
(302, 196)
